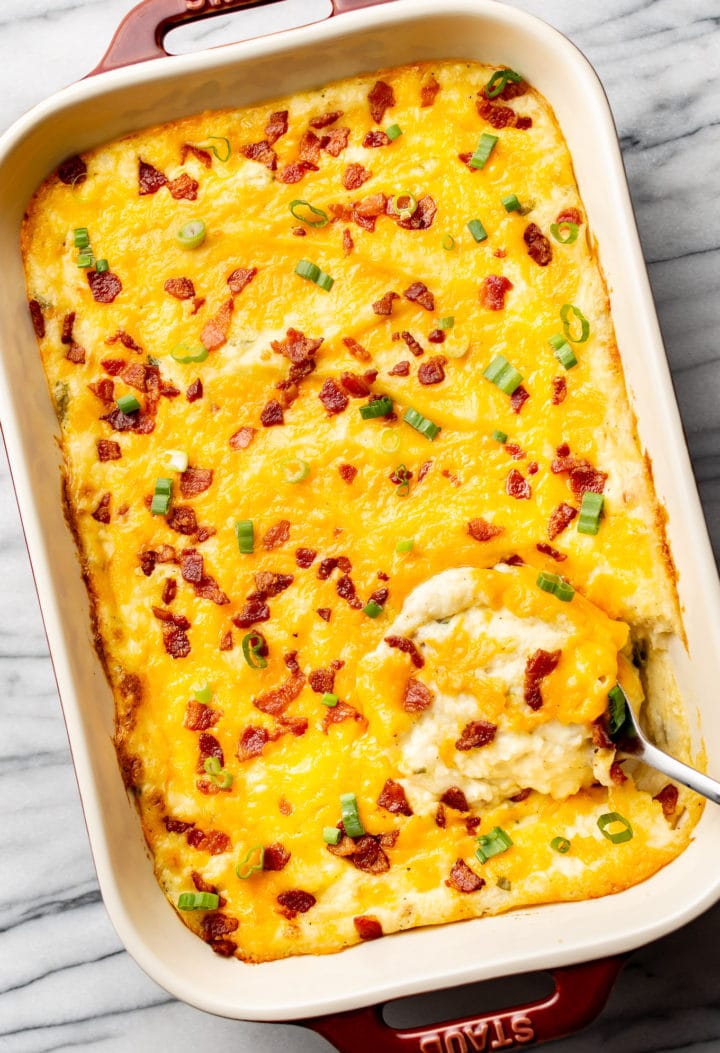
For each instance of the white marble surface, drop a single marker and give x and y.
(65, 981)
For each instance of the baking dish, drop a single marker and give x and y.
(84, 115)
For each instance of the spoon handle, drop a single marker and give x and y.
(680, 772)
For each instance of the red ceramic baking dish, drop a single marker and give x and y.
(137, 85)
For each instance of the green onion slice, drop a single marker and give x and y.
(477, 230)
(448, 242)
(81, 238)
(511, 203)
(618, 837)
(322, 220)
(202, 692)
(503, 375)
(483, 150)
(590, 513)
(500, 436)
(403, 475)
(350, 815)
(492, 844)
(252, 862)
(373, 609)
(187, 352)
(446, 323)
(389, 440)
(499, 80)
(394, 131)
(177, 460)
(556, 585)
(219, 776)
(160, 505)
(245, 535)
(560, 844)
(219, 139)
(377, 408)
(556, 230)
(563, 352)
(408, 210)
(311, 271)
(191, 235)
(163, 486)
(102, 266)
(405, 545)
(331, 835)
(198, 901)
(422, 424)
(329, 700)
(254, 648)
(295, 469)
(128, 404)
(85, 259)
(566, 321)
(618, 723)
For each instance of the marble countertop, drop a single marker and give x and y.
(65, 980)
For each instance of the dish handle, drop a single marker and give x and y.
(140, 35)
(581, 992)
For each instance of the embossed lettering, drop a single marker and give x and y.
(501, 1041)
(198, 5)
(455, 1042)
(523, 1029)
(476, 1036)
(431, 1044)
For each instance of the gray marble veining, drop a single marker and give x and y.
(65, 981)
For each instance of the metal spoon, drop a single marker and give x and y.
(640, 747)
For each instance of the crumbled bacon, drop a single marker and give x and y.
(419, 293)
(175, 641)
(191, 566)
(347, 241)
(72, 171)
(66, 336)
(277, 535)
(497, 116)
(393, 799)
(423, 216)
(296, 346)
(272, 414)
(384, 305)
(241, 439)
(481, 530)
(203, 156)
(431, 371)
(252, 742)
(76, 354)
(305, 557)
(538, 247)
(295, 172)
(463, 878)
(275, 856)
(150, 179)
(104, 389)
(184, 188)
(324, 119)
(325, 613)
(493, 290)
(517, 486)
(335, 141)
(136, 375)
(332, 397)
(253, 611)
(559, 390)
(402, 643)
(518, 398)
(416, 696)
(176, 826)
(369, 856)
(440, 817)
(475, 734)
(428, 91)
(345, 588)
(357, 387)
(126, 340)
(277, 699)
(327, 566)
(367, 927)
(113, 366)
(400, 369)
(215, 924)
(200, 717)
(108, 450)
(104, 286)
(169, 591)
(375, 138)
(668, 799)
(226, 641)
(213, 841)
(295, 901)
(538, 666)
(560, 518)
(182, 519)
(600, 737)
(337, 714)
(347, 472)
(354, 176)
(380, 97)
(455, 798)
(617, 775)
(195, 481)
(180, 288)
(548, 550)
(322, 680)
(570, 215)
(437, 336)
(215, 332)
(261, 152)
(276, 126)
(240, 278)
(102, 512)
(413, 346)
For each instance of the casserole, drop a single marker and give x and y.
(622, 927)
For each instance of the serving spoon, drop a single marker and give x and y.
(640, 747)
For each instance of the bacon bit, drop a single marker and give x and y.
(400, 477)
(586, 479)
(226, 641)
(553, 553)
(465, 158)
(108, 450)
(472, 822)
(296, 346)
(276, 126)
(102, 512)
(197, 304)
(184, 188)
(518, 398)
(667, 798)
(380, 97)
(327, 566)
(240, 277)
(384, 305)
(241, 439)
(419, 293)
(497, 116)
(370, 207)
(175, 641)
(216, 330)
(431, 371)
(67, 328)
(375, 138)
(216, 924)
(517, 486)
(354, 176)
(563, 450)
(126, 340)
(191, 566)
(475, 734)
(182, 519)
(141, 423)
(176, 826)
(252, 742)
(180, 288)
(559, 393)
(113, 366)
(299, 232)
(493, 290)
(187, 149)
(305, 557)
(150, 179)
(325, 119)
(347, 241)
(309, 149)
(294, 902)
(204, 886)
(424, 469)
(380, 596)
(104, 389)
(213, 841)
(400, 369)
(268, 583)
(369, 856)
(345, 588)
(295, 172)
(440, 817)
(261, 152)
(560, 518)
(617, 775)
(455, 798)
(272, 414)
(423, 216)
(279, 698)
(538, 666)
(428, 91)
(336, 141)
(437, 336)
(136, 375)
(72, 171)
(600, 737)
(538, 246)
(512, 90)
(275, 856)
(199, 717)
(402, 643)
(195, 481)
(255, 610)
(204, 532)
(355, 386)
(570, 215)
(392, 798)
(104, 287)
(481, 530)
(417, 696)
(169, 591)
(463, 878)
(332, 397)
(347, 473)
(413, 346)
(322, 680)
(325, 613)
(337, 714)
(521, 796)
(277, 535)
(523, 123)
(368, 927)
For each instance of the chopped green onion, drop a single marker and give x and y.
(198, 901)
(254, 648)
(617, 709)
(177, 460)
(394, 131)
(556, 585)
(555, 230)
(421, 424)
(373, 609)
(477, 230)
(219, 776)
(498, 82)
(492, 844)
(406, 545)
(128, 404)
(245, 868)
(448, 242)
(584, 324)
(331, 835)
(389, 440)
(202, 692)
(329, 700)
(377, 408)
(294, 469)
(610, 819)
(85, 259)
(405, 211)
(446, 323)
(504, 884)
(350, 817)
(161, 498)
(220, 139)
(323, 220)
(81, 238)
(245, 535)
(186, 352)
(500, 436)
(560, 844)
(403, 475)
(563, 352)
(456, 351)
(312, 272)
(163, 486)
(590, 512)
(503, 375)
(191, 235)
(483, 150)
(511, 203)
(101, 266)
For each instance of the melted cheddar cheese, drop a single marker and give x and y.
(317, 703)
